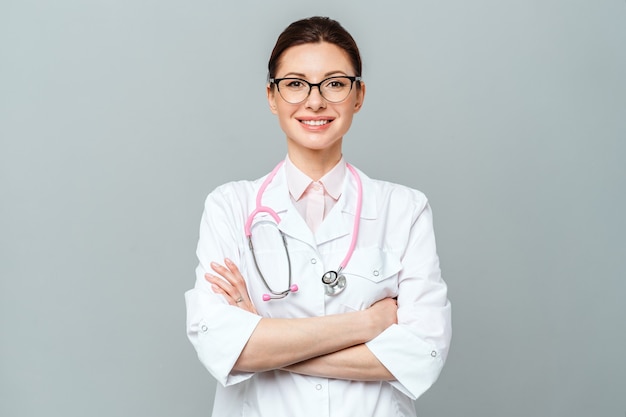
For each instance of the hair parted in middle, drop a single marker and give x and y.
(314, 30)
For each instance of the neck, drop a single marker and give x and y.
(315, 163)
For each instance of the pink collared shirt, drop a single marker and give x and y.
(314, 199)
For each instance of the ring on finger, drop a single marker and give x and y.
(238, 300)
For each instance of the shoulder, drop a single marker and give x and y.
(233, 193)
(237, 189)
(393, 195)
(399, 191)
(232, 189)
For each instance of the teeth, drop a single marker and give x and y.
(315, 122)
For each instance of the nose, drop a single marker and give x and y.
(315, 101)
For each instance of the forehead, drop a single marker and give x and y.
(314, 60)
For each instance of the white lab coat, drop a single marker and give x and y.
(395, 256)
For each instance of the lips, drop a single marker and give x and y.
(315, 122)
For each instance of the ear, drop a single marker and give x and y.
(360, 96)
(271, 98)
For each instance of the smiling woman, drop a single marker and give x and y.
(366, 338)
(315, 125)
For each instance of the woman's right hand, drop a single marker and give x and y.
(383, 314)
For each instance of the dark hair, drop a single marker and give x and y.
(314, 30)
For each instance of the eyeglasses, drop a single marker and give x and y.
(332, 89)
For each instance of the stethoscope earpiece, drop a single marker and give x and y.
(292, 288)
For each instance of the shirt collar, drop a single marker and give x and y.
(298, 181)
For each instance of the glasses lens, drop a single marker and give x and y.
(336, 89)
(293, 90)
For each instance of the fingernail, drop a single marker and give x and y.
(228, 261)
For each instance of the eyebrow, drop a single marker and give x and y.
(300, 75)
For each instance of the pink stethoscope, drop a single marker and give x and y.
(334, 281)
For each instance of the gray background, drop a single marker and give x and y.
(118, 117)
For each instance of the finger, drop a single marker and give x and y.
(223, 285)
(220, 287)
(237, 279)
(213, 279)
(233, 284)
(233, 276)
(223, 272)
(219, 291)
(238, 301)
(233, 268)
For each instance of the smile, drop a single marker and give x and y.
(315, 122)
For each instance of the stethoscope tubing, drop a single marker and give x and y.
(357, 216)
(260, 208)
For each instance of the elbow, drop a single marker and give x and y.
(244, 364)
(247, 362)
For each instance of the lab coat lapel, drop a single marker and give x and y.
(340, 220)
(336, 224)
(291, 224)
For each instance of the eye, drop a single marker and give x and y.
(336, 84)
(293, 84)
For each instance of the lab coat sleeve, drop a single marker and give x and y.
(217, 330)
(415, 349)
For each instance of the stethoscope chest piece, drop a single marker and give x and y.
(334, 282)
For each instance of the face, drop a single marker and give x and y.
(315, 124)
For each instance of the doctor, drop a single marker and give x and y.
(367, 347)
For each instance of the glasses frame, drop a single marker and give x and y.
(352, 79)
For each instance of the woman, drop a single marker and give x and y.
(365, 346)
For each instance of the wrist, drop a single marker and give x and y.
(370, 325)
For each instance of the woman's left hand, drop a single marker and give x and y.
(231, 285)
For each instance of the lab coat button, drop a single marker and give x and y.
(318, 387)
(375, 273)
(204, 328)
(313, 261)
(433, 354)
